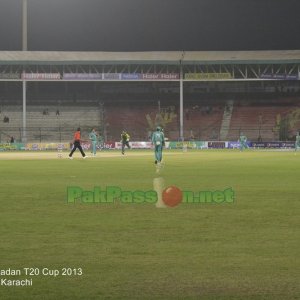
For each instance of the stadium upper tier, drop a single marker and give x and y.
(164, 58)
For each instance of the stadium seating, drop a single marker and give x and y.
(267, 119)
(44, 124)
(262, 121)
(203, 122)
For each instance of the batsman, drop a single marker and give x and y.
(158, 140)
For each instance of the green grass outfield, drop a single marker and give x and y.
(248, 249)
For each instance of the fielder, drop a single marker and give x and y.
(158, 140)
(125, 137)
(93, 137)
(297, 142)
(243, 142)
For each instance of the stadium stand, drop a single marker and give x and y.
(44, 124)
(203, 120)
(212, 110)
(266, 120)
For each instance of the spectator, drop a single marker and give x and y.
(260, 119)
(12, 139)
(214, 135)
(192, 137)
(46, 112)
(57, 112)
(6, 119)
(187, 114)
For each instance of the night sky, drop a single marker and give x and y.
(152, 25)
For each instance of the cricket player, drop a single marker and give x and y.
(76, 144)
(125, 137)
(297, 142)
(158, 140)
(243, 142)
(93, 136)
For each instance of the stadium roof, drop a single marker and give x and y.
(166, 57)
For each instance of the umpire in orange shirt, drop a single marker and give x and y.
(77, 144)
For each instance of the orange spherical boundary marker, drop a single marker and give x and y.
(172, 196)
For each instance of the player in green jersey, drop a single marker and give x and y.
(94, 138)
(243, 142)
(158, 140)
(297, 142)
